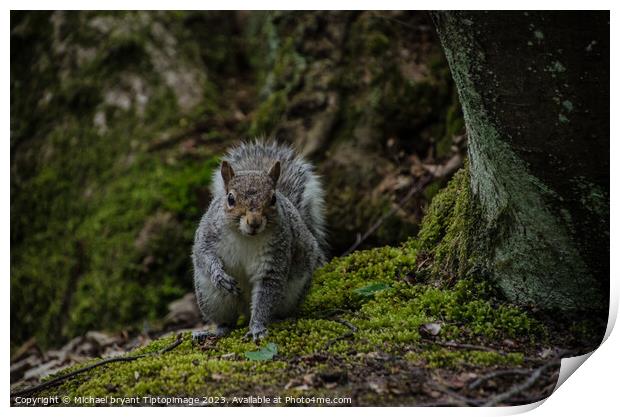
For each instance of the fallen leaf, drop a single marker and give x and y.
(446, 169)
(371, 289)
(19, 368)
(265, 354)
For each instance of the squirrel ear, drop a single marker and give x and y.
(227, 173)
(274, 172)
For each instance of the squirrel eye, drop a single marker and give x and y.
(273, 199)
(231, 199)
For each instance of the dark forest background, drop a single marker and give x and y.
(118, 119)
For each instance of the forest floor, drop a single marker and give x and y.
(377, 337)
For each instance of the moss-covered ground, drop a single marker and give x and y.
(375, 327)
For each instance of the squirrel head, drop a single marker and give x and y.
(250, 202)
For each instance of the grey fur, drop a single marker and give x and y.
(256, 257)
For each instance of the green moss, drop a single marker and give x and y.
(446, 234)
(432, 189)
(334, 285)
(180, 186)
(282, 68)
(393, 319)
(136, 239)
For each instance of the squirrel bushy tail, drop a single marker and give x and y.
(298, 181)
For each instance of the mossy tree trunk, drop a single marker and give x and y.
(534, 89)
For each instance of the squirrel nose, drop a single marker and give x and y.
(253, 220)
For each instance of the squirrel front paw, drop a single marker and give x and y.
(225, 282)
(256, 333)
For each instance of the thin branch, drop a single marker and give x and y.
(346, 323)
(58, 380)
(172, 345)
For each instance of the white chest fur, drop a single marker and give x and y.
(244, 257)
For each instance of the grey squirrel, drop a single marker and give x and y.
(261, 239)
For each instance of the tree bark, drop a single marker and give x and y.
(534, 88)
